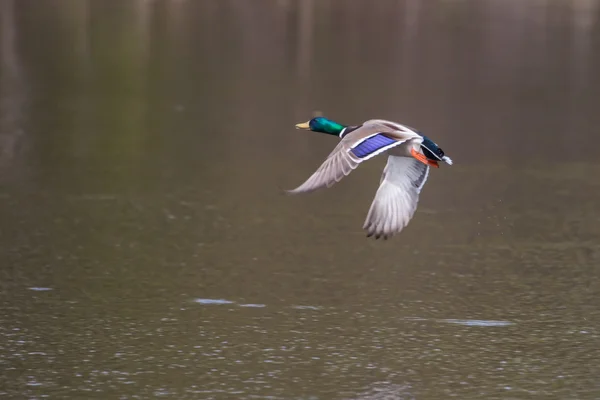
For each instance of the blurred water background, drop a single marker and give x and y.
(147, 249)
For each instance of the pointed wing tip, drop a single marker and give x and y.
(300, 189)
(378, 235)
(290, 192)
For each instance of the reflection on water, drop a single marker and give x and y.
(148, 249)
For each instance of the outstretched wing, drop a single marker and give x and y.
(397, 197)
(358, 146)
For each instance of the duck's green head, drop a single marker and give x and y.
(323, 125)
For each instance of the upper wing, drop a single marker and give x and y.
(359, 145)
(339, 164)
(397, 197)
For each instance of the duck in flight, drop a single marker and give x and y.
(410, 154)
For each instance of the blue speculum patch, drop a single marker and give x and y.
(371, 145)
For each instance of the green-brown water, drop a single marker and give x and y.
(147, 249)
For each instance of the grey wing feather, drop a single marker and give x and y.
(339, 164)
(397, 197)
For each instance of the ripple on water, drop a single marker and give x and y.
(465, 322)
(476, 322)
(306, 307)
(213, 301)
(224, 301)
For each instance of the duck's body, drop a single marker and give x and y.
(410, 155)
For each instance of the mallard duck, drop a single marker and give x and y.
(410, 156)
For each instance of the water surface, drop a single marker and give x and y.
(148, 250)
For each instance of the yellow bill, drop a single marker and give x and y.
(303, 125)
